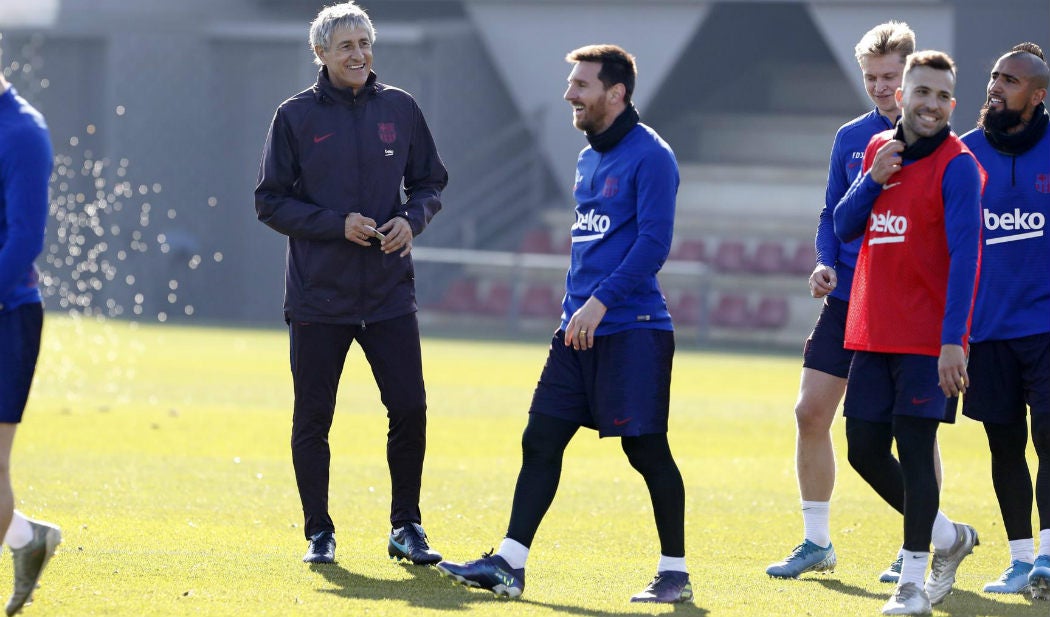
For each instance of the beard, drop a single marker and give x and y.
(1001, 121)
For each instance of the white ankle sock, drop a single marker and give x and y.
(944, 535)
(1044, 541)
(1022, 550)
(913, 567)
(514, 553)
(815, 519)
(671, 564)
(19, 533)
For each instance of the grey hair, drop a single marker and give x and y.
(332, 18)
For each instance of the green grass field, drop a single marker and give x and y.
(163, 453)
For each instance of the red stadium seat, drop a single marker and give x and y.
(770, 258)
(731, 312)
(772, 313)
(690, 250)
(804, 259)
(497, 300)
(536, 241)
(539, 300)
(461, 296)
(731, 256)
(686, 309)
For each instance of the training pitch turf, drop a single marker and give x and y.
(163, 453)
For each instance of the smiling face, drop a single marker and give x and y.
(593, 106)
(926, 102)
(882, 77)
(1013, 95)
(348, 59)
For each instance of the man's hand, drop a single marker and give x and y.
(354, 228)
(580, 332)
(398, 236)
(951, 370)
(887, 161)
(822, 281)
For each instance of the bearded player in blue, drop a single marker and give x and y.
(609, 366)
(1009, 362)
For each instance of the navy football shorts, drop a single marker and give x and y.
(823, 350)
(19, 348)
(1005, 376)
(621, 386)
(882, 385)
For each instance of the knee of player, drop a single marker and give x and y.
(861, 456)
(648, 452)
(535, 448)
(1041, 435)
(812, 417)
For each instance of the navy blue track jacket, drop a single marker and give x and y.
(330, 153)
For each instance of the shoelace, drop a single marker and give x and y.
(938, 565)
(1010, 573)
(801, 550)
(906, 592)
(897, 565)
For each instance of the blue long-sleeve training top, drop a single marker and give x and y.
(1013, 297)
(25, 171)
(625, 202)
(847, 153)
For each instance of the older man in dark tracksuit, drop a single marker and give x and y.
(330, 179)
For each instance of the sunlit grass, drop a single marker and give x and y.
(163, 452)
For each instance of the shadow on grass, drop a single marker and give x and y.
(427, 589)
(962, 603)
(851, 590)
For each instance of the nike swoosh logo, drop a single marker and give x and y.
(920, 401)
(318, 140)
(889, 186)
(619, 422)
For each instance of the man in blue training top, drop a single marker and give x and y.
(609, 366)
(25, 171)
(1010, 340)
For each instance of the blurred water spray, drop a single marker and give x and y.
(110, 252)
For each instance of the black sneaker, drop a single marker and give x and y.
(322, 548)
(668, 587)
(410, 542)
(490, 572)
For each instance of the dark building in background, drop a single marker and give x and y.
(159, 111)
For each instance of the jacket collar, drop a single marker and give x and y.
(325, 89)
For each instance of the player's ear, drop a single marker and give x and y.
(898, 96)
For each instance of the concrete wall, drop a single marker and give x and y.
(158, 110)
